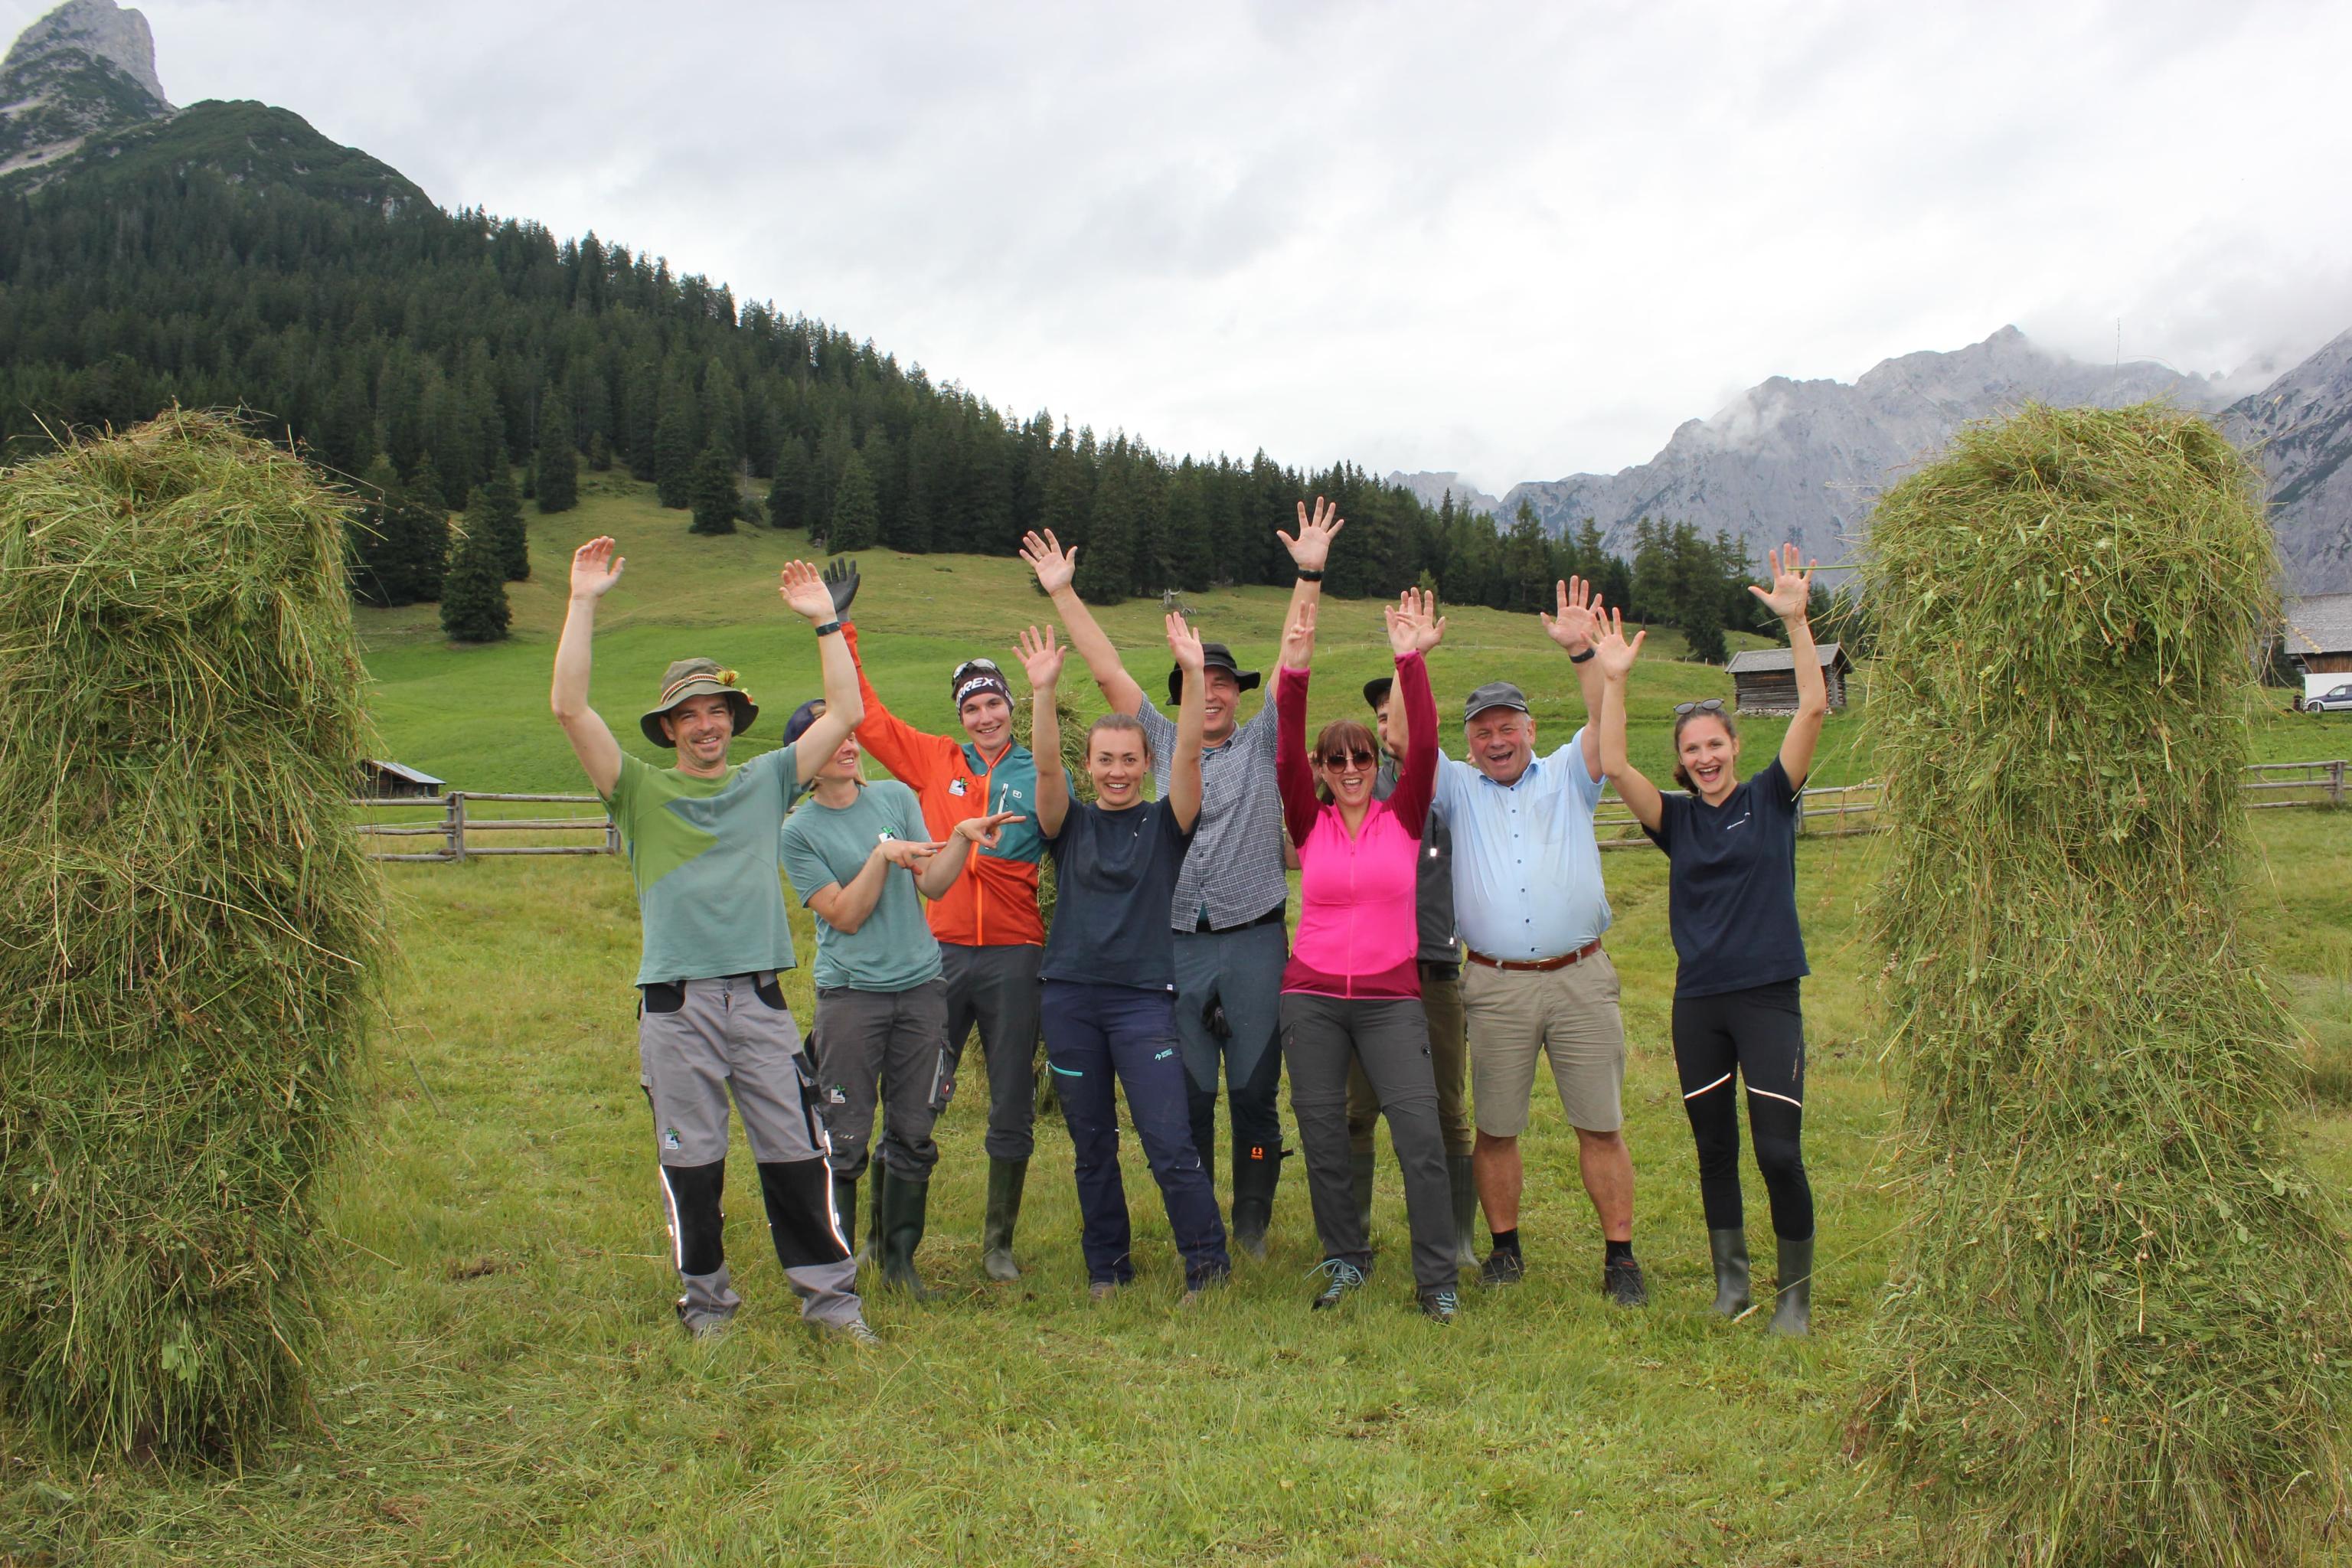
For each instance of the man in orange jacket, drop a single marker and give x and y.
(990, 931)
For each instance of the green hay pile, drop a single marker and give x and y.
(2116, 1331)
(186, 927)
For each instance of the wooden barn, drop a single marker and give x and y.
(1764, 680)
(2319, 634)
(396, 781)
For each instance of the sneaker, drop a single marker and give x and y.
(1439, 1306)
(1621, 1282)
(1503, 1268)
(1102, 1290)
(858, 1334)
(1345, 1276)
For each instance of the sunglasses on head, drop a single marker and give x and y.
(1362, 762)
(1712, 705)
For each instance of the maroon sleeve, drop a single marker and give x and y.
(1292, 774)
(1417, 779)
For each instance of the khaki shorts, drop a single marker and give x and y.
(1569, 1014)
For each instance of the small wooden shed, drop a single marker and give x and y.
(396, 781)
(2319, 633)
(1764, 680)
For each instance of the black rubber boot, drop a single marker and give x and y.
(1253, 1184)
(1466, 1212)
(904, 1203)
(844, 1208)
(1359, 1168)
(873, 1248)
(1729, 1249)
(1005, 1178)
(1794, 1314)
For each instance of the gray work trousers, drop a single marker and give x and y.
(1241, 971)
(698, 1040)
(1449, 1054)
(997, 988)
(1322, 1038)
(882, 1046)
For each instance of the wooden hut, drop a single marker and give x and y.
(396, 781)
(2319, 634)
(1764, 680)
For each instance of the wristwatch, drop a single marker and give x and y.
(1572, 658)
(1306, 576)
(831, 627)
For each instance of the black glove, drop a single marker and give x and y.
(841, 581)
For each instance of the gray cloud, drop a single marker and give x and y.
(1512, 240)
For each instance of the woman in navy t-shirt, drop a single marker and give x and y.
(1108, 975)
(1732, 901)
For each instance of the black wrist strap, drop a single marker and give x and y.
(829, 626)
(1306, 576)
(1581, 657)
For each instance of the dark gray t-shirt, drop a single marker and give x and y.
(1113, 874)
(1731, 886)
(1237, 874)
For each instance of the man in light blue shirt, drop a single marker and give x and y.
(1528, 903)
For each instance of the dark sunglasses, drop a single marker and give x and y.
(1712, 705)
(1362, 761)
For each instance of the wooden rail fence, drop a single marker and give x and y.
(1839, 810)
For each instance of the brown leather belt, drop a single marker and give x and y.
(1536, 966)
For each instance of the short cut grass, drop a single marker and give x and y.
(2116, 1327)
(187, 928)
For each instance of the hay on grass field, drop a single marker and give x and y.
(2116, 1331)
(186, 927)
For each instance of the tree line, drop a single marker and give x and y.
(430, 356)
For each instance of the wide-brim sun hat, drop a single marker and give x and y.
(696, 678)
(1213, 656)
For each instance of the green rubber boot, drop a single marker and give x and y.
(1005, 1180)
(903, 1205)
(1729, 1249)
(1793, 1315)
(873, 1248)
(1359, 1167)
(1464, 1189)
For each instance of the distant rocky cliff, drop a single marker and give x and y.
(86, 67)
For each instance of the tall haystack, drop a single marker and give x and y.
(187, 926)
(2116, 1329)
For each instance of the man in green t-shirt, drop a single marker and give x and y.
(859, 855)
(702, 843)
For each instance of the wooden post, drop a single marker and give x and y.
(456, 824)
(2335, 781)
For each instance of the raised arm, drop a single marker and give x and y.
(1789, 597)
(1415, 627)
(1056, 569)
(1041, 659)
(1310, 548)
(1294, 771)
(594, 570)
(1574, 628)
(888, 738)
(805, 594)
(1191, 716)
(1615, 661)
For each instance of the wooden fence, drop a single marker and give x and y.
(1832, 811)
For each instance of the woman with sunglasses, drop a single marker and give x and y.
(1351, 992)
(1731, 903)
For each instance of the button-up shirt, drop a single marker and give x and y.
(1526, 871)
(1234, 869)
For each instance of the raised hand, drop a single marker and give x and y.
(1578, 623)
(841, 581)
(1617, 655)
(1312, 544)
(805, 593)
(595, 568)
(1299, 637)
(1055, 566)
(1792, 591)
(910, 853)
(1041, 656)
(1414, 625)
(987, 831)
(1185, 644)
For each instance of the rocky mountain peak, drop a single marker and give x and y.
(87, 67)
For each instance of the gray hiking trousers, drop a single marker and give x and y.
(886, 1048)
(698, 1040)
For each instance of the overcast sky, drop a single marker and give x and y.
(1515, 241)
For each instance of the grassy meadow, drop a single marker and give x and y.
(503, 1380)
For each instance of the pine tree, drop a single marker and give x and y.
(856, 523)
(674, 454)
(788, 491)
(1106, 572)
(713, 492)
(497, 510)
(377, 565)
(559, 463)
(474, 598)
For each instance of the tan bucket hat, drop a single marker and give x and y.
(696, 678)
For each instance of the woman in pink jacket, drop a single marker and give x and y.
(1351, 992)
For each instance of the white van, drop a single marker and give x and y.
(2329, 693)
